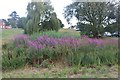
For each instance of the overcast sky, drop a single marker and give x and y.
(7, 6)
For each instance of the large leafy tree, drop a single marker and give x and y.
(52, 24)
(114, 14)
(41, 16)
(118, 16)
(33, 18)
(92, 16)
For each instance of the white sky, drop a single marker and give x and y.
(58, 7)
(7, 6)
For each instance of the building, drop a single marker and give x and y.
(2, 24)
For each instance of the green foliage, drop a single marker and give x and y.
(41, 18)
(13, 59)
(14, 19)
(93, 17)
(21, 22)
(52, 24)
(54, 34)
(88, 56)
(7, 33)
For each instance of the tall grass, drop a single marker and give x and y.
(55, 34)
(37, 48)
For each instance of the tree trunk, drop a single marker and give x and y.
(95, 31)
(95, 34)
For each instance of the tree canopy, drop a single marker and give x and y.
(40, 17)
(14, 19)
(92, 17)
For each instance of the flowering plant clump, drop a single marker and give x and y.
(77, 51)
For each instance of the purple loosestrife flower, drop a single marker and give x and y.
(48, 41)
(40, 39)
(43, 40)
(78, 42)
(31, 44)
(51, 40)
(67, 41)
(73, 41)
(113, 42)
(99, 42)
(61, 41)
(40, 46)
(21, 37)
(34, 44)
(94, 41)
(20, 40)
(54, 42)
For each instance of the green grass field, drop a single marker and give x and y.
(8, 33)
(57, 70)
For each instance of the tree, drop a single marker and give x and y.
(41, 17)
(21, 22)
(61, 24)
(53, 24)
(14, 19)
(114, 14)
(33, 17)
(91, 16)
(118, 16)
